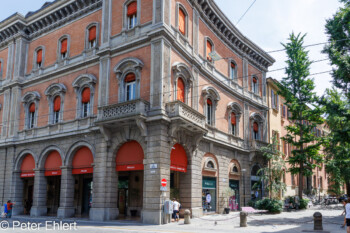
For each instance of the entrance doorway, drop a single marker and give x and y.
(209, 194)
(53, 194)
(28, 187)
(234, 199)
(130, 193)
(83, 195)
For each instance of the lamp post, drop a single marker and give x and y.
(243, 171)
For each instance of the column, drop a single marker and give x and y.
(17, 193)
(39, 207)
(196, 185)
(106, 23)
(66, 209)
(158, 152)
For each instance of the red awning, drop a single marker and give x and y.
(209, 50)
(39, 56)
(27, 167)
(32, 107)
(233, 118)
(57, 104)
(182, 21)
(82, 161)
(64, 46)
(255, 80)
(53, 164)
(130, 157)
(178, 158)
(180, 90)
(85, 95)
(130, 77)
(92, 33)
(209, 102)
(256, 127)
(233, 65)
(132, 9)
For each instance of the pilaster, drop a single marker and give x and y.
(66, 209)
(17, 193)
(15, 107)
(39, 207)
(106, 23)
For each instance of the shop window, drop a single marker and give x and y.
(85, 102)
(255, 131)
(209, 112)
(180, 95)
(130, 86)
(132, 15)
(182, 21)
(92, 37)
(255, 85)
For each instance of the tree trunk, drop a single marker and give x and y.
(301, 184)
(348, 187)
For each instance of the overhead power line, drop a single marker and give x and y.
(245, 12)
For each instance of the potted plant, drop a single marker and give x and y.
(227, 193)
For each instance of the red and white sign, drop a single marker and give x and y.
(27, 174)
(164, 182)
(78, 171)
(53, 173)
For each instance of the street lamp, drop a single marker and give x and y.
(243, 171)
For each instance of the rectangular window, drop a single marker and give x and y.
(31, 120)
(86, 108)
(132, 21)
(233, 128)
(56, 116)
(209, 114)
(130, 91)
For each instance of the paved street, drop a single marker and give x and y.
(284, 222)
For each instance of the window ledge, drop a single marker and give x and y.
(208, 169)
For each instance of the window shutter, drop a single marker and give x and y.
(64, 46)
(209, 50)
(272, 99)
(233, 118)
(255, 80)
(92, 33)
(32, 107)
(85, 95)
(277, 102)
(284, 111)
(233, 66)
(182, 21)
(39, 56)
(255, 127)
(57, 104)
(180, 90)
(132, 9)
(130, 77)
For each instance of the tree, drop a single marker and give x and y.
(272, 174)
(301, 100)
(337, 104)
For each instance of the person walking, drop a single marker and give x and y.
(5, 211)
(347, 215)
(344, 212)
(176, 208)
(9, 209)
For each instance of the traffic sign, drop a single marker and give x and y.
(163, 182)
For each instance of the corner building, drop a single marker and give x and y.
(101, 99)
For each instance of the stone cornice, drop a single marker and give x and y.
(45, 19)
(227, 32)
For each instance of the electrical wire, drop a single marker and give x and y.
(245, 12)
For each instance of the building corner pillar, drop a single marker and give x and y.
(66, 209)
(39, 207)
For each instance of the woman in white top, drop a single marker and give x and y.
(347, 215)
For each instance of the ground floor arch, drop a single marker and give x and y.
(210, 171)
(27, 182)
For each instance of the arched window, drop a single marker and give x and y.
(233, 123)
(210, 164)
(235, 169)
(64, 48)
(233, 71)
(180, 90)
(182, 21)
(130, 86)
(256, 131)
(209, 50)
(132, 15)
(255, 85)
(56, 109)
(209, 112)
(31, 118)
(85, 101)
(39, 58)
(92, 37)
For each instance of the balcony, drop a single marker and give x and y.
(123, 111)
(256, 145)
(186, 116)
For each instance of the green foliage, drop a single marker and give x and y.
(251, 203)
(272, 205)
(337, 104)
(302, 104)
(303, 203)
(272, 174)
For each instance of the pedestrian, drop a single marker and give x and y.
(5, 211)
(347, 215)
(9, 209)
(176, 208)
(344, 213)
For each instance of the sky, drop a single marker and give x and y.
(268, 23)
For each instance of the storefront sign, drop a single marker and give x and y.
(27, 174)
(234, 184)
(209, 183)
(130, 167)
(53, 173)
(153, 166)
(77, 171)
(178, 168)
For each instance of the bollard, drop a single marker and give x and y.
(187, 216)
(318, 221)
(243, 217)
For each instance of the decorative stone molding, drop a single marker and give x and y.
(209, 160)
(124, 67)
(234, 107)
(54, 90)
(257, 117)
(182, 71)
(81, 82)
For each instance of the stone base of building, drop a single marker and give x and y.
(197, 212)
(17, 210)
(103, 214)
(152, 217)
(37, 211)
(65, 212)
